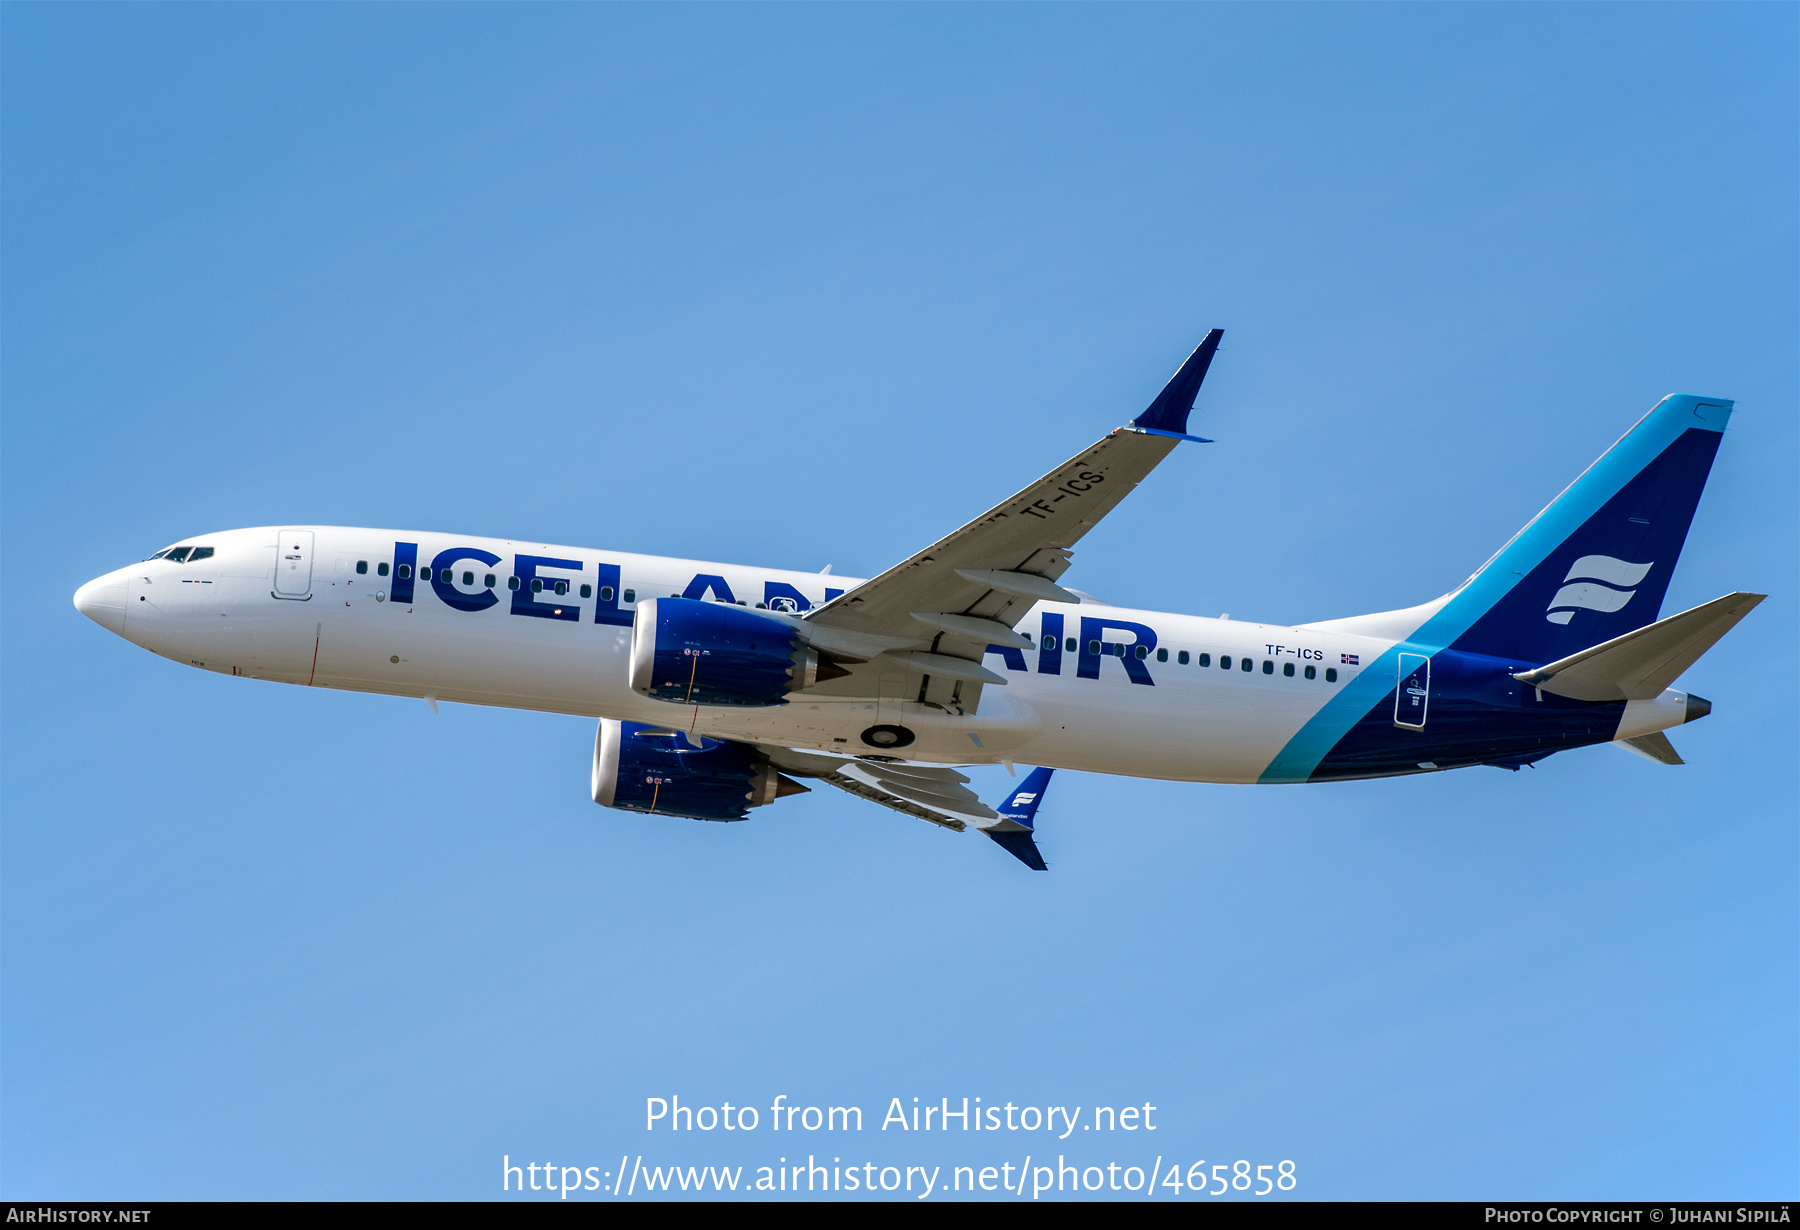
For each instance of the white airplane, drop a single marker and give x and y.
(716, 686)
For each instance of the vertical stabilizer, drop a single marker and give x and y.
(1596, 563)
(1590, 568)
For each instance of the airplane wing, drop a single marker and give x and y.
(937, 612)
(925, 792)
(929, 792)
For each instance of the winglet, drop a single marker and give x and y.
(1014, 832)
(1168, 414)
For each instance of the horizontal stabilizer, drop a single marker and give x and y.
(1640, 664)
(1653, 746)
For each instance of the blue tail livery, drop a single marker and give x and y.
(1589, 568)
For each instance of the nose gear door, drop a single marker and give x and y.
(293, 564)
(1413, 696)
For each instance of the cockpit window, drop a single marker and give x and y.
(183, 555)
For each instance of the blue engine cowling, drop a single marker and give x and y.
(711, 653)
(658, 771)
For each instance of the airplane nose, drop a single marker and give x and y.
(103, 601)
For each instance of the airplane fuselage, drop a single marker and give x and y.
(1102, 689)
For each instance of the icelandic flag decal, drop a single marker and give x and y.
(1349, 659)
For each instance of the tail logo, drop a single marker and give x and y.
(1596, 583)
(1019, 807)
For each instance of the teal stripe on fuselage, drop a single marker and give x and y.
(1600, 482)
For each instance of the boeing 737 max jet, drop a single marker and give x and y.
(720, 687)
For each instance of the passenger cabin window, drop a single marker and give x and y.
(404, 571)
(1287, 668)
(1224, 662)
(1331, 674)
(1093, 647)
(1246, 664)
(1268, 667)
(512, 582)
(1206, 659)
(587, 591)
(489, 580)
(381, 570)
(631, 595)
(1182, 658)
(1312, 672)
(468, 578)
(1069, 645)
(362, 567)
(537, 585)
(1143, 651)
(1162, 655)
(425, 574)
(562, 587)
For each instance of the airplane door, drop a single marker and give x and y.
(1413, 696)
(293, 564)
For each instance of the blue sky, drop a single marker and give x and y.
(809, 285)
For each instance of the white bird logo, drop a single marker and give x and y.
(1596, 583)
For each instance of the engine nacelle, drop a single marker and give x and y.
(657, 771)
(710, 653)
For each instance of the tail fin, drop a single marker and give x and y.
(1595, 564)
(1014, 832)
(1587, 570)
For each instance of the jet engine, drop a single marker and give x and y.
(709, 653)
(658, 771)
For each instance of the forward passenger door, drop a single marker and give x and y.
(294, 564)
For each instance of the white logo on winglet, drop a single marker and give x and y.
(1595, 578)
